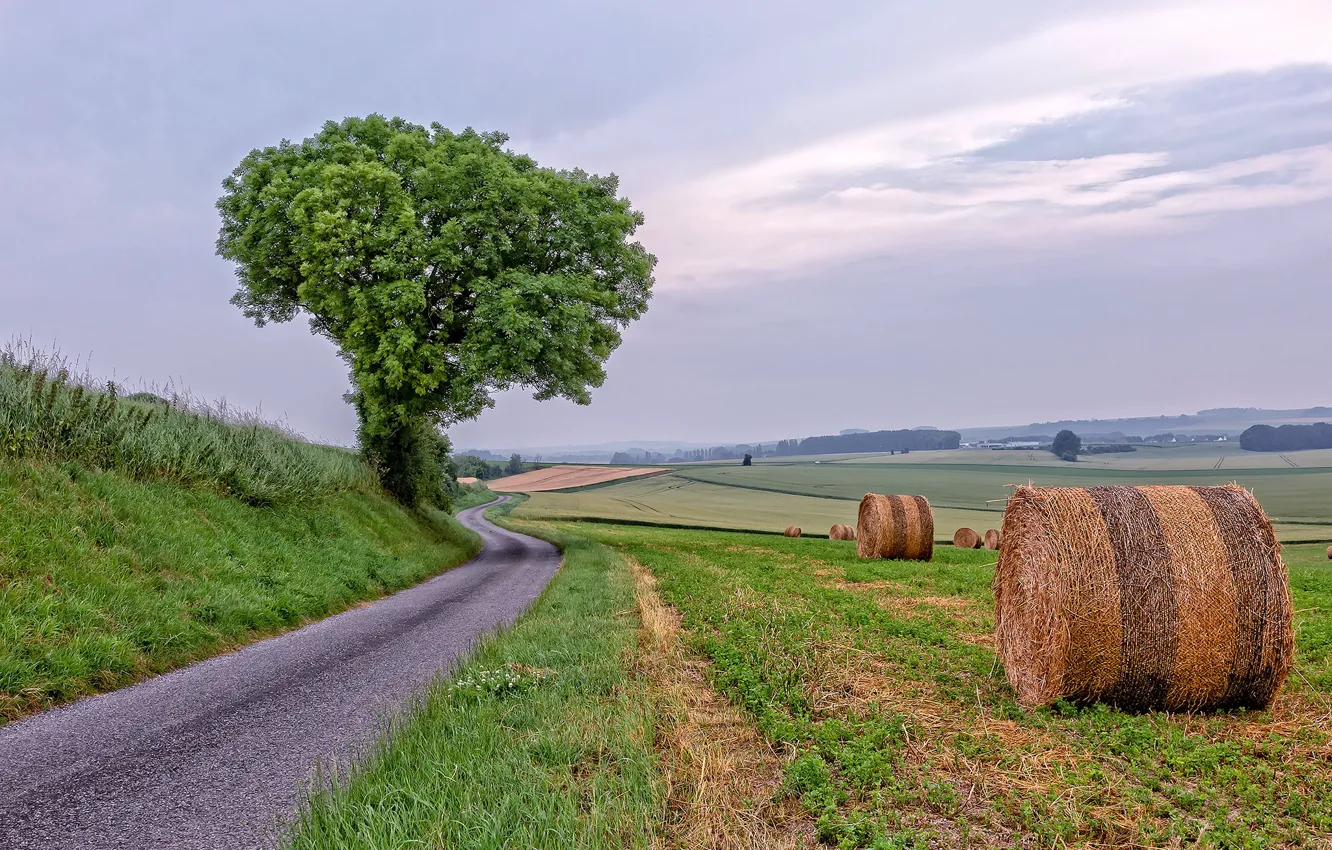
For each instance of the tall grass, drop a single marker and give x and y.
(50, 409)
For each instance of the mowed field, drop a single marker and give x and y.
(879, 681)
(565, 477)
(966, 488)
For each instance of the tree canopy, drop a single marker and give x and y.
(1067, 445)
(443, 266)
(1287, 438)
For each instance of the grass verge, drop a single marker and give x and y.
(471, 495)
(879, 680)
(544, 738)
(105, 579)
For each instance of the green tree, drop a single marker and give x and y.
(469, 466)
(748, 461)
(1066, 445)
(515, 464)
(443, 266)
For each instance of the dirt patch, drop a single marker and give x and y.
(722, 776)
(564, 477)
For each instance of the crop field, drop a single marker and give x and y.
(565, 477)
(675, 500)
(878, 680)
(771, 495)
(1199, 456)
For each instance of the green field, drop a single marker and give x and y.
(965, 488)
(1148, 457)
(879, 681)
(674, 500)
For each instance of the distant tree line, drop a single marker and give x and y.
(1286, 438)
(873, 441)
(687, 455)
(1169, 437)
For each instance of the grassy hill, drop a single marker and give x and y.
(140, 534)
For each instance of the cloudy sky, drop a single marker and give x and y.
(867, 214)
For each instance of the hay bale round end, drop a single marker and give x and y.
(1149, 598)
(841, 532)
(966, 538)
(895, 527)
(1329, 553)
(791, 531)
(992, 538)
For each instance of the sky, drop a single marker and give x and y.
(866, 214)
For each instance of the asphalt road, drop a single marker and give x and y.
(213, 756)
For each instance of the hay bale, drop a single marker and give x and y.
(791, 531)
(897, 527)
(1170, 598)
(966, 538)
(992, 539)
(841, 532)
(1329, 553)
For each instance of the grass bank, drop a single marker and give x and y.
(471, 495)
(544, 738)
(107, 577)
(880, 680)
(51, 411)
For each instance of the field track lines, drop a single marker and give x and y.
(1290, 462)
(1219, 461)
(642, 507)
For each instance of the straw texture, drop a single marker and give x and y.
(841, 532)
(992, 538)
(966, 538)
(895, 527)
(792, 531)
(1172, 598)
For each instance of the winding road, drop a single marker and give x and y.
(214, 755)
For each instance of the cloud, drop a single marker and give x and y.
(853, 173)
(1004, 174)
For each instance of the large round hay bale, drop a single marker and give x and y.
(791, 531)
(992, 538)
(841, 532)
(898, 527)
(1329, 553)
(966, 538)
(1170, 598)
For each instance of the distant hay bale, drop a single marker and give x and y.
(1329, 553)
(992, 539)
(791, 531)
(966, 538)
(841, 532)
(896, 527)
(1172, 598)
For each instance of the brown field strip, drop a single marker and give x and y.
(565, 477)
